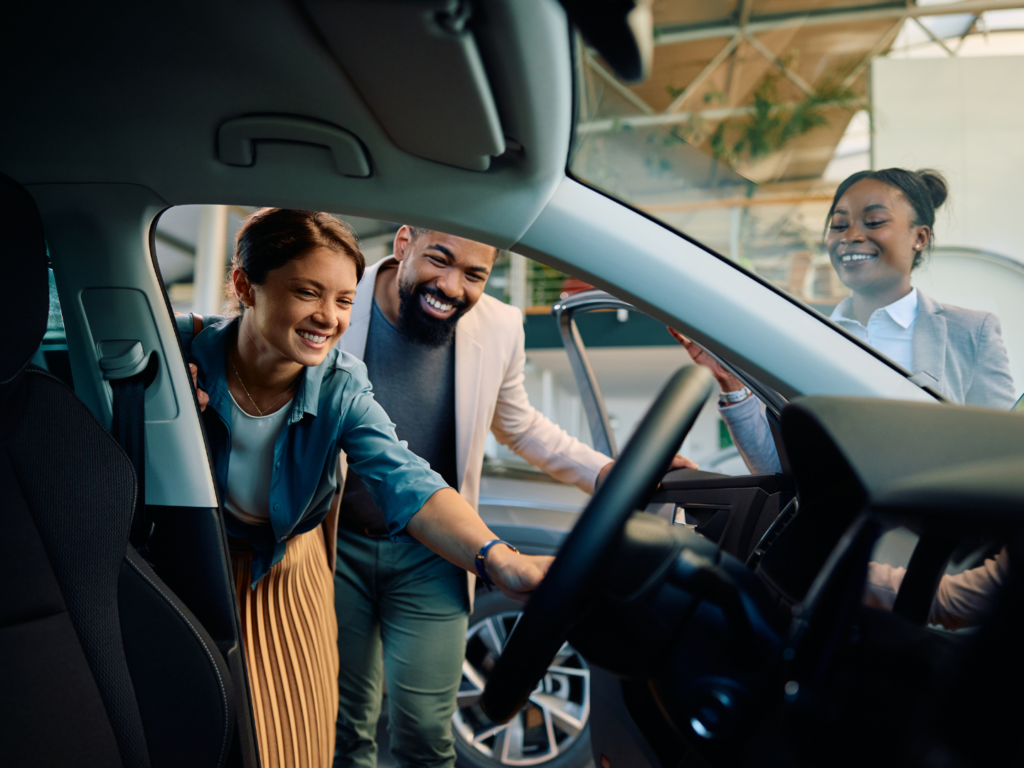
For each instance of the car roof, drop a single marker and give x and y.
(134, 94)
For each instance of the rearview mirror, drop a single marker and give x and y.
(622, 31)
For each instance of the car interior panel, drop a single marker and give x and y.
(731, 628)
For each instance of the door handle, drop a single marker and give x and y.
(236, 140)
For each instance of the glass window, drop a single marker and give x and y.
(52, 354)
(750, 122)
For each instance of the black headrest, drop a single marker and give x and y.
(24, 289)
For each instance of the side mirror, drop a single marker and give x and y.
(622, 31)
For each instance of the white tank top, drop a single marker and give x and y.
(251, 466)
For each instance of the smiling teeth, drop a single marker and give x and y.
(311, 337)
(846, 258)
(437, 304)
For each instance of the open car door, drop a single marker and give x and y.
(736, 512)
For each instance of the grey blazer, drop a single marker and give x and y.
(959, 352)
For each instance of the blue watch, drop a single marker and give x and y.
(481, 561)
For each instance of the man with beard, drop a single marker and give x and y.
(446, 362)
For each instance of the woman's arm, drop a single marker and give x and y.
(415, 500)
(449, 526)
(746, 421)
(961, 600)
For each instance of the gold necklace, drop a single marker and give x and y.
(244, 389)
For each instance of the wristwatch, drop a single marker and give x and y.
(481, 561)
(737, 396)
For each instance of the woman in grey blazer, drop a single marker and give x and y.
(878, 229)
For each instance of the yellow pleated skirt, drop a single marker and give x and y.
(291, 650)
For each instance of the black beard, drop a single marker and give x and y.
(422, 328)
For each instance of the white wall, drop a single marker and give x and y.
(965, 117)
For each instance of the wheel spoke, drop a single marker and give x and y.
(474, 677)
(549, 728)
(513, 741)
(495, 731)
(564, 654)
(493, 636)
(564, 713)
(585, 673)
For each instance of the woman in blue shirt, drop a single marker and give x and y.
(279, 401)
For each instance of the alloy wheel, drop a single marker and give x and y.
(552, 720)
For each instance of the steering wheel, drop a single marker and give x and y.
(572, 579)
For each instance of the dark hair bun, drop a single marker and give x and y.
(938, 188)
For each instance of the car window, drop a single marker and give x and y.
(749, 123)
(52, 354)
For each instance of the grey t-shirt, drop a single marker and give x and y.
(415, 384)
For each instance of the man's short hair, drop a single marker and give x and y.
(416, 232)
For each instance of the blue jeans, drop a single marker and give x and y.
(402, 599)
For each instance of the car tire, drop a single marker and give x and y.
(527, 739)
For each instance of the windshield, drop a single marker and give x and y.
(753, 117)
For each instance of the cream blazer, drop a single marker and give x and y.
(490, 355)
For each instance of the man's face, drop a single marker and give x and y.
(440, 278)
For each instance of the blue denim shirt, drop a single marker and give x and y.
(333, 410)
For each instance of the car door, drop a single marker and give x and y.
(734, 510)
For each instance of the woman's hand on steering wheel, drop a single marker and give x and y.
(516, 575)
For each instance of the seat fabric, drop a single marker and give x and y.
(102, 664)
(46, 679)
(80, 488)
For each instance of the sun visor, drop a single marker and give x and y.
(417, 65)
(914, 459)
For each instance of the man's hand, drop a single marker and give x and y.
(201, 396)
(726, 380)
(678, 462)
(514, 574)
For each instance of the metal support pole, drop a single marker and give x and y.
(211, 260)
(517, 287)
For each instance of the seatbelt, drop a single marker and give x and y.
(128, 370)
(129, 429)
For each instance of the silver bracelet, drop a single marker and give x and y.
(729, 398)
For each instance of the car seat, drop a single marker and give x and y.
(102, 664)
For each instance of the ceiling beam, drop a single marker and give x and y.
(935, 38)
(608, 124)
(794, 198)
(705, 73)
(793, 77)
(622, 90)
(880, 47)
(669, 35)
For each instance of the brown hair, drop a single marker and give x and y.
(271, 237)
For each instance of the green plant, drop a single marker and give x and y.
(774, 123)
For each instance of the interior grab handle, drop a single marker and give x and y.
(236, 140)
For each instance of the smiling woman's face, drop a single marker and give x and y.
(872, 239)
(303, 307)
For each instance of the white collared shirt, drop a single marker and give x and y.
(890, 329)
